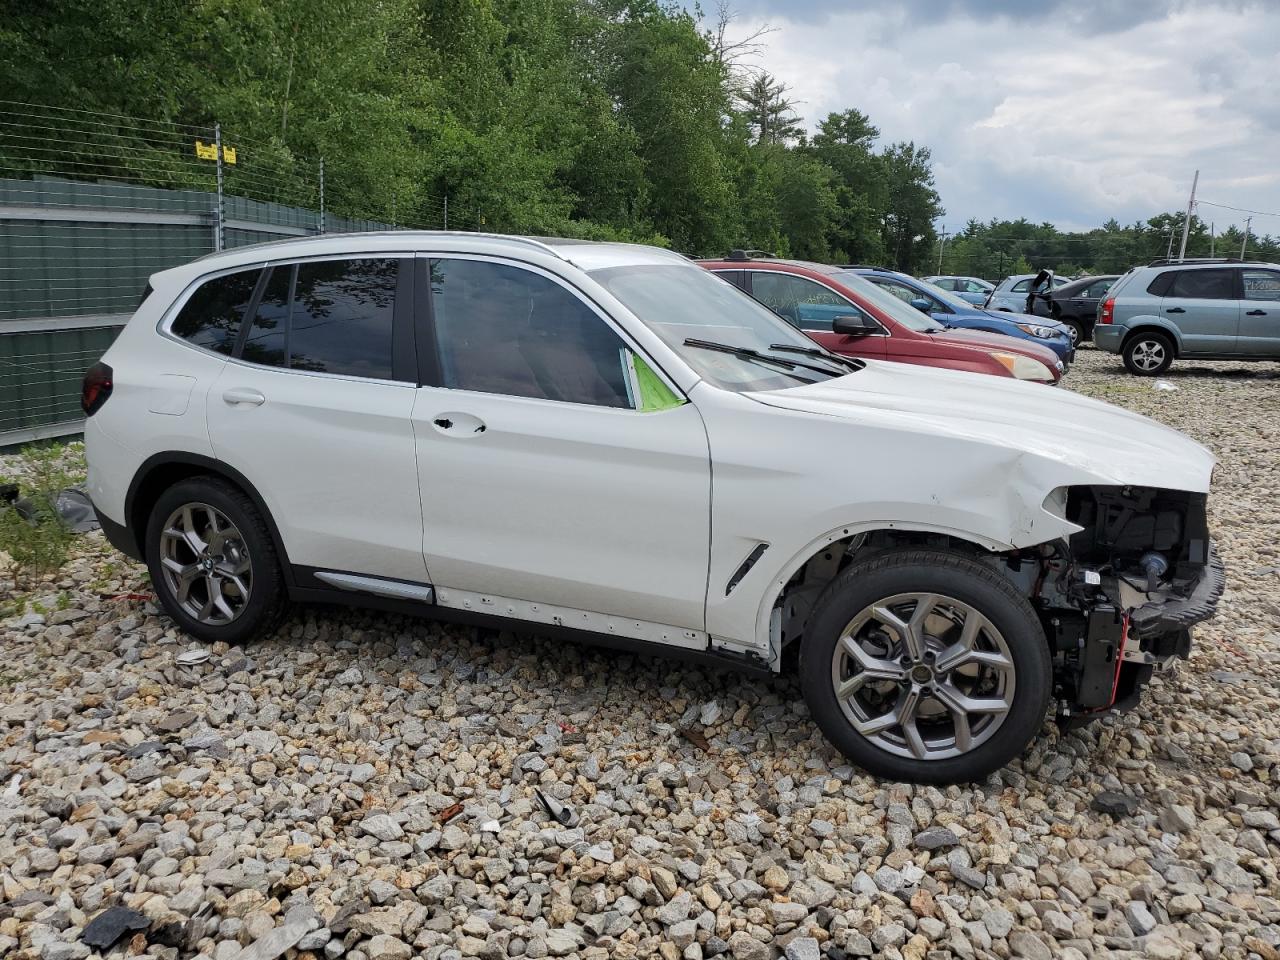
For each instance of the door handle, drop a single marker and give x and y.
(1175, 310)
(459, 424)
(245, 395)
(1256, 313)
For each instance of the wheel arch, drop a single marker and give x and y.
(1152, 325)
(798, 583)
(161, 471)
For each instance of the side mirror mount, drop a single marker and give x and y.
(854, 326)
(921, 304)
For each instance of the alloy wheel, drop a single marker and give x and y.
(923, 676)
(1148, 354)
(205, 563)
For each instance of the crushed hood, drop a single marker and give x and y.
(1092, 441)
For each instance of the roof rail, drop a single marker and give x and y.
(1163, 261)
(862, 266)
(321, 237)
(751, 255)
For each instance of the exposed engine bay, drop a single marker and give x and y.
(1119, 598)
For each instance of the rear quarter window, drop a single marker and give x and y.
(212, 315)
(1159, 287)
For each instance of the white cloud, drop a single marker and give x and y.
(1039, 117)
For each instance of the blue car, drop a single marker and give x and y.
(950, 311)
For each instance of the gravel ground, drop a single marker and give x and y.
(363, 785)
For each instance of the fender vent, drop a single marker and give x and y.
(745, 567)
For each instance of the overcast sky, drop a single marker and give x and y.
(1069, 112)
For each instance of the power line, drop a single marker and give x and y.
(1224, 206)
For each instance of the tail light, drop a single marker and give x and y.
(95, 389)
(1108, 310)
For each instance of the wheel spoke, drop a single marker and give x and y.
(220, 599)
(882, 669)
(959, 702)
(963, 734)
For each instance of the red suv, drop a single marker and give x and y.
(849, 315)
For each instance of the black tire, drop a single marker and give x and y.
(266, 605)
(956, 577)
(1076, 330)
(1148, 353)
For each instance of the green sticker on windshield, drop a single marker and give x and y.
(651, 392)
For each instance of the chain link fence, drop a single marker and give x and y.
(92, 204)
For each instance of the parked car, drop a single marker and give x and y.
(1204, 309)
(1010, 294)
(813, 296)
(973, 290)
(605, 441)
(1075, 305)
(951, 311)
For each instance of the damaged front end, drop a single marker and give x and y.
(1119, 597)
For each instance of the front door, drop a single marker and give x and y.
(1204, 306)
(1260, 313)
(556, 467)
(314, 409)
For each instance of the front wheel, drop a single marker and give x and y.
(1148, 354)
(1075, 330)
(925, 666)
(213, 563)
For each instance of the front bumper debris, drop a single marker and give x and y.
(1171, 615)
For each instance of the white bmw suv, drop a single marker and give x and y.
(607, 441)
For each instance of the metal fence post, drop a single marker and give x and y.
(322, 194)
(219, 233)
(446, 211)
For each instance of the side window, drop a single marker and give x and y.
(506, 330)
(801, 302)
(1022, 286)
(1261, 285)
(1204, 285)
(212, 315)
(946, 283)
(1159, 287)
(341, 318)
(266, 342)
(737, 277)
(971, 286)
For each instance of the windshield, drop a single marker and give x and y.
(679, 303)
(891, 304)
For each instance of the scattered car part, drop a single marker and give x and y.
(559, 812)
(102, 932)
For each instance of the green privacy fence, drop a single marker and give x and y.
(74, 260)
(92, 204)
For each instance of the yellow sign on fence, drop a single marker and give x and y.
(209, 151)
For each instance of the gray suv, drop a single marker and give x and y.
(1204, 309)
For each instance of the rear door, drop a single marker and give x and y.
(1260, 313)
(1205, 307)
(813, 307)
(314, 409)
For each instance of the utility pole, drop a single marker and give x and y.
(1168, 252)
(942, 242)
(1186, 224)
(1245, 243)
(1212, 240)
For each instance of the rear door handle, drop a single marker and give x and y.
(245, 395)
(1175, 310)
(1256, 313)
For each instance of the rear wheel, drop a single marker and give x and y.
(1148, 353)
(212, 561)
(926, 666)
